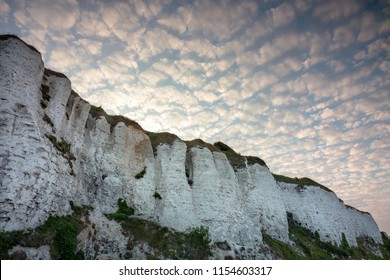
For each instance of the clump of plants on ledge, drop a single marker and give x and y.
(123, 212)
(157, 195)
(141, 174)
(97, 112)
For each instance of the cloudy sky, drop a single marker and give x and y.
(303, 84)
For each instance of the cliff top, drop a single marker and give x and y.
(11, 36)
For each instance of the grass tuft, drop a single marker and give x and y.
(123, 212)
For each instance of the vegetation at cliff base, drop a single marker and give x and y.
(308, 245)
(165, 243)
(58, 232)
(195, 244)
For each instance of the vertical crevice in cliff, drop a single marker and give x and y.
(189, 168)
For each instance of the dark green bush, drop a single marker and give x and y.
(65, 239)
(123, 212)
(280, 249)
(118, 216)
(157, 195)
(344, 242)
(141, 174)
(124, 208)
(195, 244)
(7, 241)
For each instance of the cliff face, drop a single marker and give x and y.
(56, 148)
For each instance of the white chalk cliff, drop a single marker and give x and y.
(54, 150)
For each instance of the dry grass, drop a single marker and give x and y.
(156, 138)
(97, 112)
(200, 143)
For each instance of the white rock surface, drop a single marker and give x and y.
(102, 238)
(40, 253)
(37, 179)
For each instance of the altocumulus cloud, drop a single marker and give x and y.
(303, 84)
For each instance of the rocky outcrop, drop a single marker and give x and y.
(56, 148)
(321, 211)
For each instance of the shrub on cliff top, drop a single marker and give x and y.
(157, 138)
(252, 160)
(97, 112)
(200, 143)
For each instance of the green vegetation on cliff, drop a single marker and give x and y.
(309, 246)
(165, 243)
(58, 232)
